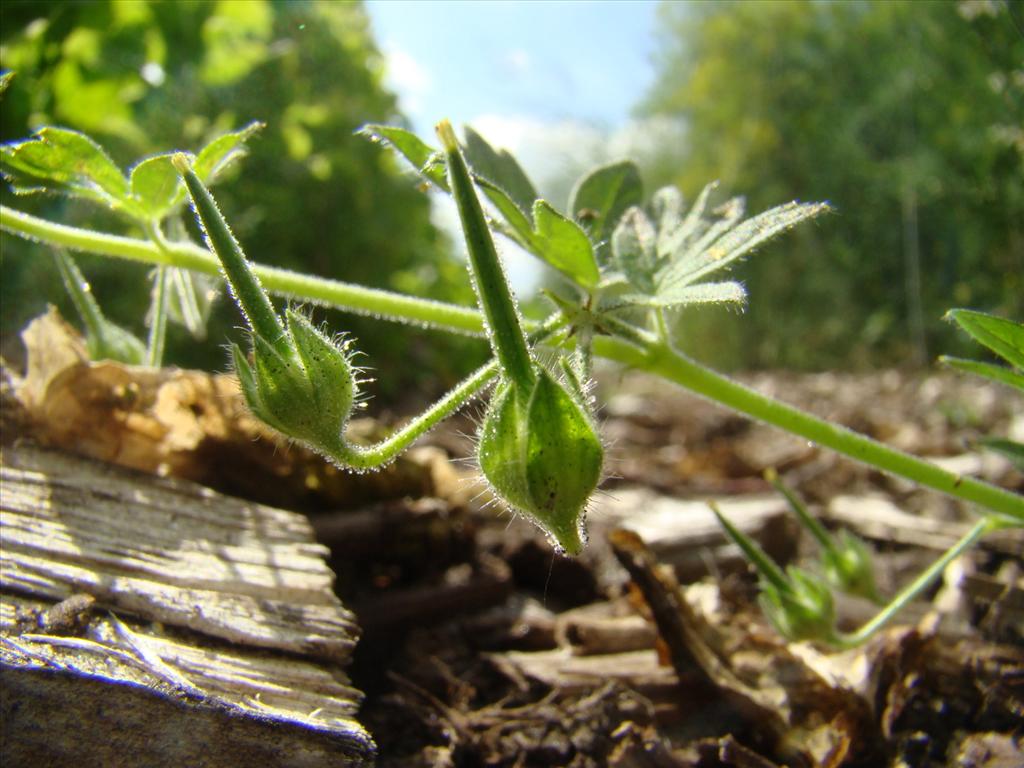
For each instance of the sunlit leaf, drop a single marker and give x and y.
(998, 373)
(633, 249)
(724, 242)
(599, 199)
(67, 162)
(410, 146)
(563, 245)
(499, 168)
(1004, 337)
(155, 185)
(224, 150)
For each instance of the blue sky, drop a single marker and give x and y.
(553, 81)
(554, 60)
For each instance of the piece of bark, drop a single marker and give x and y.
(187, 424)
(234, 624)
(686, 535)
(813, 721)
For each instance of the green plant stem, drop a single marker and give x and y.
(367, 457)
(161, 290)
(252, 299)
(158, 325)
(921, 583)
(645, 352)
(81, 295)
(659, 358)
(492, 289)
(353, 298)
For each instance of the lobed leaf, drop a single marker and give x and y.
(1004, 337)
(68, 162)
(418, 153)
(634, 253)
(564, 245)
(500, 168)
(723, 242)
(599, 199)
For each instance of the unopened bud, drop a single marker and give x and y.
(541, 453)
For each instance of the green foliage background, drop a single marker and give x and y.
(143, 77)
(907, 117)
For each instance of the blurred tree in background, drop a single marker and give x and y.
(143, 77)
(907, 117)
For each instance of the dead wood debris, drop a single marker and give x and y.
(479, 646)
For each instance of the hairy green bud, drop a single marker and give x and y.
(802, 609)
(848, 567)
(541, 453)
(308, 393)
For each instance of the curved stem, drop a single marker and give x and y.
(666, 362)
(921, 583)
(368, 457)
(644, 352)
(353, 298)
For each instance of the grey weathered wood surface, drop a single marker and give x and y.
(215, 639)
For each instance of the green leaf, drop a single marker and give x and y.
(681, 295)
(564, 245)
(156, 186)
(633, 249)
(520, 227)
(5, 81)
(599, 199)
(997, 373)
(223, 151)
(104, 339)
(500, 168)
(68, 162)
(724, 242)
(422, 157)
(1004, 337)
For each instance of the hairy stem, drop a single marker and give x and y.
(644, 351)
(353, 298)
(661, 359)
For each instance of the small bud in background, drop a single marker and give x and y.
(802, 609)
(848, 566)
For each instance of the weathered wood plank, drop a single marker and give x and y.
(212, 635)
(170, 551)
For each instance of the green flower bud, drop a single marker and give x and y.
(802, 609)
(847, 565)
(306, 391)
(541, 453)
